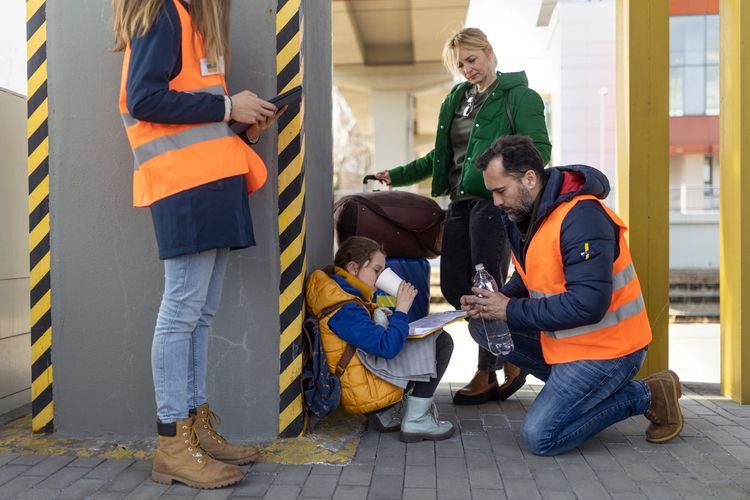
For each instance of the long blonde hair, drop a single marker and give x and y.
(467, 38)
(133, 18)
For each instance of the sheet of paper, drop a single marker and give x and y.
(433, 322)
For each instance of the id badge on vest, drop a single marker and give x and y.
(210, 68)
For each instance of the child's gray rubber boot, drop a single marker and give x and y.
(419, 422)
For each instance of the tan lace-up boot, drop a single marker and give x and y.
(179, 457)
(215, 444)
(664, 411)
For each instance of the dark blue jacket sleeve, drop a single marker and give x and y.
(155, 59)
(515, 287)
(588, 282)
(353, 324)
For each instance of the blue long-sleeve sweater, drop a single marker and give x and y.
(353, 324)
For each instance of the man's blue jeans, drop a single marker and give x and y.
(192, 292)
(579, 399)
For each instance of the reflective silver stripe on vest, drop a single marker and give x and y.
(619, 280)
(610, 319)
(129, 121)
(184, 139)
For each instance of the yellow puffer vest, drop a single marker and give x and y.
(361, 391)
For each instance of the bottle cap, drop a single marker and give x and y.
(479, 267)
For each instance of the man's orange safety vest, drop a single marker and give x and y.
(170, 158)
(624, 328)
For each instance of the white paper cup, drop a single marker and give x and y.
(388, 281)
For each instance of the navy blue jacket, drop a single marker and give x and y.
(353, 324)
(588, 283)
(216, 214)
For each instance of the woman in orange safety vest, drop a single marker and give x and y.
(194, 173)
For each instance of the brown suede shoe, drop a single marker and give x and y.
(215, 444)
(664, 411)
(180, 458)
(482, 388)
(514, 380)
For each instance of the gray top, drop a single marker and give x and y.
(461, 126)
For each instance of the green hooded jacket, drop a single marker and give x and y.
(490, 123)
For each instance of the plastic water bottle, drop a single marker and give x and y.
(498, 335)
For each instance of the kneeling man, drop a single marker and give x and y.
(573, 305)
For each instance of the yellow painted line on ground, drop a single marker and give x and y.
(40, 308)
(334, 441)
(38, 233)
(291, 131)
(290, 172)
(36, 40)
(38, 78)
(36, 119)
(41, 345)
(286, 13)
(289, 52)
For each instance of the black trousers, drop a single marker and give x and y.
(443, 352)
(474, 234)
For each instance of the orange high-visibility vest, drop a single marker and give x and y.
(170, 158)
(624, 328)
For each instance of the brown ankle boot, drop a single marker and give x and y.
(664, 411)
(514, 380)
(215, 444)
(179, 457)
(482, 388)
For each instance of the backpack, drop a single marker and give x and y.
(321, 389)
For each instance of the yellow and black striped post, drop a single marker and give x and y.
(292, 224)
(42, 406)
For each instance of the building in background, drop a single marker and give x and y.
(694, 133)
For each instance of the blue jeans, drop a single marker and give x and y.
(579, 399)
(192, 292)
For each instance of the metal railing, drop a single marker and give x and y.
(687, 199)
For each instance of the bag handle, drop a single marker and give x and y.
(510, 115)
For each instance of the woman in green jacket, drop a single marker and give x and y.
(473, 115)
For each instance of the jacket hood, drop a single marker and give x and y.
(563, 183)
(509, 80)
(324, 292)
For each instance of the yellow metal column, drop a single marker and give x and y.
(643, 156)
(735, 209)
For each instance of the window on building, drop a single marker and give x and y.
(694, 65)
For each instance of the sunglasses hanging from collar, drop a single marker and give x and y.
(470, 101)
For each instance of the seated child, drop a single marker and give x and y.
(341, 297)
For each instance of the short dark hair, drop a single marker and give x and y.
(518, 154)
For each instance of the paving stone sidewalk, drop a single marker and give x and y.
(484, 461)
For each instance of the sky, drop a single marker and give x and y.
(13, 46)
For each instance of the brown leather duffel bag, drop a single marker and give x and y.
(407, 224)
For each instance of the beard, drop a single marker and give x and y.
(525, 207)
